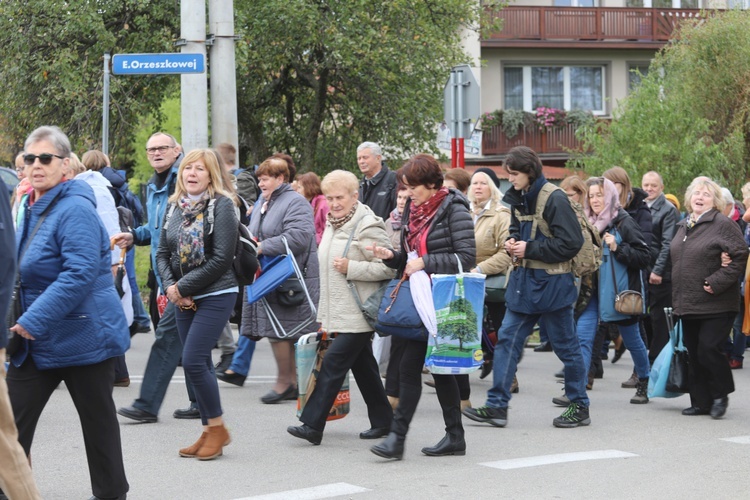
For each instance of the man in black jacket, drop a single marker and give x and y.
(15, 473)
(541, 286)
(377, 189)
(664, 219)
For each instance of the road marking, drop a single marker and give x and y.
(180, 379)
(314, 493)
(738, 440)
(519, 463)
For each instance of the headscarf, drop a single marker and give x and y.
(420, 217)
(611, 207)
(396, 219)
(190, 242)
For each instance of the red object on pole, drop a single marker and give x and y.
(461, 162)
(454, 152)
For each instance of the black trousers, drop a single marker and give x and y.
(90, 388)
(392, 373)
(348, 351)
(659, 297)
(710, 375)
(410, 391)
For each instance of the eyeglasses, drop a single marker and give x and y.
(157, 149)
(44, 158)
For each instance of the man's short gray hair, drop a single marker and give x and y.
(53, 134)
(727, 195)
(372, 146)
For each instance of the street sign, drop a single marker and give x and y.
(158, 64)
(461, 101)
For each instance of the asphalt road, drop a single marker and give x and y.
(628, 451)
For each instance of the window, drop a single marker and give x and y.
(575, 3)
(667, 4)
(634, 79)
(562, 87)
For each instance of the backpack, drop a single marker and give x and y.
(589, 257)
(124, 197)
(245, 264)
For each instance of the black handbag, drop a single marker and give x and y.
(291, 292)
(15, 341)
(677, 380)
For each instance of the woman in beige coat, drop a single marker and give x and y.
(491, 223)
(339, 313)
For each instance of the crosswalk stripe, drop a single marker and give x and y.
(519, 463)
(313, 493)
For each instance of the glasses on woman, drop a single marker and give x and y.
(44, 158)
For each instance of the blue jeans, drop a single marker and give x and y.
(162, 362)
(199, 330)
(739, 340)
(510, 341)
(243, 356)
(631, 337)
(586, 328)
(140, 316)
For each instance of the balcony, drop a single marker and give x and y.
(579, 27)
(555, 141)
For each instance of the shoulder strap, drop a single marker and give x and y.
(351, 236)
(538, 217)
(210, 215)
(170, 211)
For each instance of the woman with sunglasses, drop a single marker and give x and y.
(72, 323)
(194, 261)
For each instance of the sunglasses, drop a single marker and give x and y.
(44, 158)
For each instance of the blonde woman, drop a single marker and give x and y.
(194, 261)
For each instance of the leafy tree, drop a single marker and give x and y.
(461, 322)
(690, 115)
(52, 53)
(317, 77)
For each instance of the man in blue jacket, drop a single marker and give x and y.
(164, 156)
(15, 473)
(541, 286)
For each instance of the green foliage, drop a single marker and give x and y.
(689, 116)
(317, 78)
(52, 74)
(461, 322)
(513, 120)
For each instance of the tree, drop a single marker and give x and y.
(460, 323)
(52, 53)
(317, 77)
(689, 116)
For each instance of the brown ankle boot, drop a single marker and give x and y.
(191, 450)
(217, 438)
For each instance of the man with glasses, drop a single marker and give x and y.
(164, 156)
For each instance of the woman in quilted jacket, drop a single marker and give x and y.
(344, 260)
(194, 261)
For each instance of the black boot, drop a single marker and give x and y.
(449, 445)
(392, 447)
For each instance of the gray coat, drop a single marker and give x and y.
(289, 215)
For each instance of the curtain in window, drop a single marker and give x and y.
(547, 88)
(586, 88)
(513, 85)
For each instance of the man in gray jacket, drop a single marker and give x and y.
(664, 219)
(377, 189)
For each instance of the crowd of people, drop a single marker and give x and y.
(79, 303)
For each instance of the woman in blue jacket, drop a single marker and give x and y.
(72, 323)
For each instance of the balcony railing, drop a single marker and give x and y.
(551, 141)
(582, 26)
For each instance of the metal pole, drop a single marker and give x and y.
(194, 94)
(223, 75)
(105, 106)
(460, 104)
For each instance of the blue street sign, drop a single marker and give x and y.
(158, 64)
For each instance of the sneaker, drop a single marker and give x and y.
(487, 414)
(573, 416)
(561, 400)
(735, 364)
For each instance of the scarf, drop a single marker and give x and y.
(396, 220)
(190, 240)
(610, 210)
(421, 217)
(337, 223)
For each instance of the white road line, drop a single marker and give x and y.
(738, 440)
(519, 463)
(314, 493)
(180, 379)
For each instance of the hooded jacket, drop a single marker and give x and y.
(68, 295)
(379, 193)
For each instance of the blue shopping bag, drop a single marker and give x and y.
(459, 303)
(657, 381)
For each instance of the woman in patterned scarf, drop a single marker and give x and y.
(195, 264)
